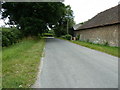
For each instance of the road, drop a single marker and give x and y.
(67, 65)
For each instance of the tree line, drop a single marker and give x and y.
(33, 18)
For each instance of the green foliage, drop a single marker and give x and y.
(87, 40)
(48, 34)
(51, 32)
(78, 37)
(33, 17)
(66, 22)
(106, 43)
(64, 37)
(68, 37)
(59, 31)
(10, 36)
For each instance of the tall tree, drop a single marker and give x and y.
(33, 17)
(66, 22)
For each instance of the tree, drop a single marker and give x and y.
(65, 24)
(33, 17)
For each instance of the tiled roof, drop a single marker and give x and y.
(107, 17)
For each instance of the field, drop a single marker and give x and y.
(20, 63)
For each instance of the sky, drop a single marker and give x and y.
(86, 9)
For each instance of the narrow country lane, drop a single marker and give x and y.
(67, 65)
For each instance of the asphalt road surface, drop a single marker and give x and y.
(67, 65)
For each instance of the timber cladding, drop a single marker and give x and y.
(101, 35)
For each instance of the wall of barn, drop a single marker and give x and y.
(101, 35)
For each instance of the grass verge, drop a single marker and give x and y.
(0, 68)
(20, 63)
(107, 49)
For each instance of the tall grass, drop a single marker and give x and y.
(20, 63)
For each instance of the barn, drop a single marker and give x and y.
(102, 28)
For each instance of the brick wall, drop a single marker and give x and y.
(100, 35)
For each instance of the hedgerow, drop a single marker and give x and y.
(67, 36)
(10, 36)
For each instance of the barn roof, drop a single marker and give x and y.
(75, 27)
(107, 17)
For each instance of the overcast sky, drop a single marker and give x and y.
(86, 9)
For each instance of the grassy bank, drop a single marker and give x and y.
(20, 63)
(0, 68)
(107, 49)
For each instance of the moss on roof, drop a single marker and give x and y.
(107, 17)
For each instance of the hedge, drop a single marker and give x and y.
(10, 36)
(67, 36)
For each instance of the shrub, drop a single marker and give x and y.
(78, 37)
(10, 36)
(68, 37)
(106, 43)
(87, 40)
(63, 37)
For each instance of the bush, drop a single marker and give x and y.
(10, 36)
(87, 40)
(64, 37)
(106, 43)
(78, 37)
(68, 37)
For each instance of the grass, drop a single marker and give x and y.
(106, 49)
(0, 59)
(0, 68)
(20, 63)
(48, 34)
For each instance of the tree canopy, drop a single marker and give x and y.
(36, 17)
(65, 24)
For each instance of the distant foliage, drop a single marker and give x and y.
(10, 36)
(78, 37)
(63, 37)
(68, 37)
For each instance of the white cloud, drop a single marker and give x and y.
(86, 9)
